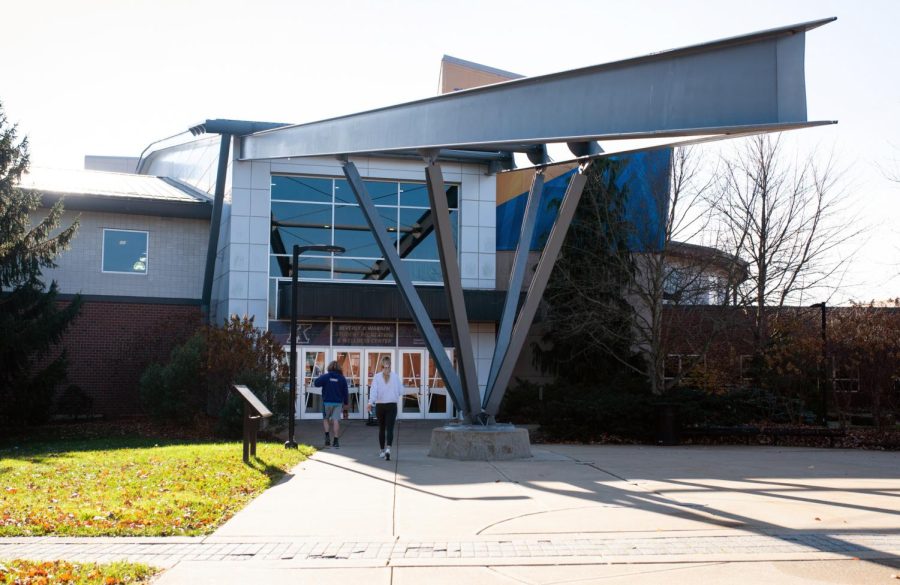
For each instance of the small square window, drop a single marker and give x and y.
(125, 251)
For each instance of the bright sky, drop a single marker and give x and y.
(108, 77)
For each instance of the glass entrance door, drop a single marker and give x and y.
(373, 366)
(350, 361)
(412, 370)
(309, 398)
(424, 392)
(437, 403)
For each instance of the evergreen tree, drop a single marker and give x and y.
(588, 321)
(31, 322)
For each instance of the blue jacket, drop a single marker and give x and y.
(334, 388)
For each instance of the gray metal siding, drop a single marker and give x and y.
(176, 257)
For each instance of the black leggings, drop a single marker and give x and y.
(387, 415)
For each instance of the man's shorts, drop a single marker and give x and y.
(332, 410)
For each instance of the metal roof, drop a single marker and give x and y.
(705, 255)
(117, 192)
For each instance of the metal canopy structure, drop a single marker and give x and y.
(732, 87)
(746, 84)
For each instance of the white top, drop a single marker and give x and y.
(385, 392)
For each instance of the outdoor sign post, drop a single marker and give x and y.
(254, 410)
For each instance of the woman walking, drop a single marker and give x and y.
(384, 394)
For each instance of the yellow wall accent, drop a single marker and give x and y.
(455, 77)
(512, 184)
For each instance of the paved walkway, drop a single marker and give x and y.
(572, 513)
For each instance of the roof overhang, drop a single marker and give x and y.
(706, 256)
(732, 87)
(129, 205)
(234, 127)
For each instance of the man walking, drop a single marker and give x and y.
(335, 397)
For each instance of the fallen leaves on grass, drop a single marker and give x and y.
(24, 572)
(132, 487)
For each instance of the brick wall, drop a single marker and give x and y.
(720, 334)
(111, 343)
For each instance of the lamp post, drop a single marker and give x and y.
(295, 301)
(824, 362)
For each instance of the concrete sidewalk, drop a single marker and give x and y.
(572, 513)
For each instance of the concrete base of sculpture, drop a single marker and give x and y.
(479, 443)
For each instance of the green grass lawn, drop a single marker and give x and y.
(131, 486)
(46, 573)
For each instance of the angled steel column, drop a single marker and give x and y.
(215, 225)
(459, 322)
(407, 290)
(516, 278)
(536, 290)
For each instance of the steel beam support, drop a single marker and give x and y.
(584, 148)
(536, 290)
(405, 285)
(516, 279)
(215, 225)
(538, 155)
(459, 322)
(742, 81)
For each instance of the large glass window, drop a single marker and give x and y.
(353, 234)
(302, 224)
(318, 210)
(315, 210)
(125, 251)
(301, 189)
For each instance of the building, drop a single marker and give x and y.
(135, 260)
(418, 202)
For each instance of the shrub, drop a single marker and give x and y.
(580, 412)
(175, 391)
(237, 349)
(595, 413)
(74, 402)
(200, 373)
(522, 403)
(865, 349)
(273, 395)
(30, 401)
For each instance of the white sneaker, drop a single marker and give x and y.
(387, 454)
(381, 454)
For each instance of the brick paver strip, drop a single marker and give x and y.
(86, 549)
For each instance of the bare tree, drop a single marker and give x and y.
(787, 220)
(674, 273)
(773, 229)
(892, 173)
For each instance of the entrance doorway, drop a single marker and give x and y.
(424, 392)
(437, 399)
(412, 372)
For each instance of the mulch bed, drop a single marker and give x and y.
(200, 429)
(853, 438)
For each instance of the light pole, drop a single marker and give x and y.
(295, 301)
(825, 376)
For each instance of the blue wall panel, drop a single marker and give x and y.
(643, 175)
